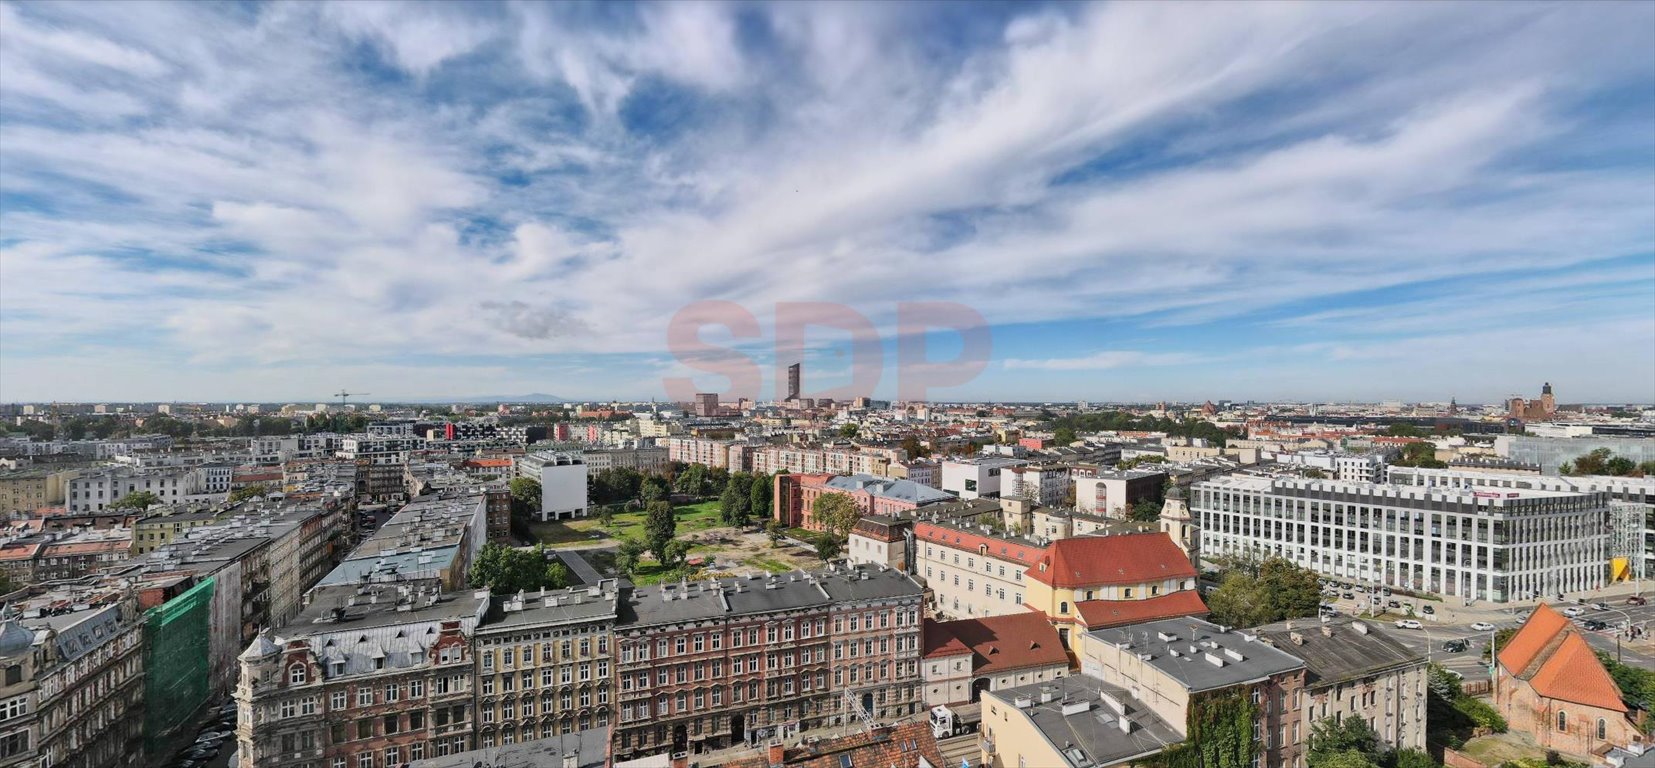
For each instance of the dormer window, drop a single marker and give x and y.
(296, 674)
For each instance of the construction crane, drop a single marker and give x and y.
(345, 396)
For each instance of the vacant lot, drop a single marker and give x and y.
(714, 548)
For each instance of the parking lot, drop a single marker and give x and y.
(1448, 620)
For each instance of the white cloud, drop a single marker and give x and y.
(281, 208)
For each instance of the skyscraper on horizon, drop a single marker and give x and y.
(793, 381)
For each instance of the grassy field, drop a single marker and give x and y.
(691, 518)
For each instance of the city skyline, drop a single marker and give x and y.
(1144, 202)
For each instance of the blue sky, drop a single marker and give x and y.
(1318, 201)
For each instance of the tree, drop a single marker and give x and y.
(1238, 603)
(677, 552)
(1400, 429)
(248, 492)
(626, 558)
(735, 503)
(1290, 591)
(606, 515)
(1346, 759)
(913, 449)
(660, 526)
(1413, 758)
(692, 481)
(139, 500)
(1146, 511)
(1419, 455)
(827, 547)
(775, 530)
(837, 513)
(1330, 738)
(758, 496)
(847, 431)
(507, 570)
(1315, 474)
(1064, 436)
(525, 495)
(653, 489)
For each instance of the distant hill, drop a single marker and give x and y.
(536, 397)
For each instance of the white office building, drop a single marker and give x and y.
(562, 483)
(1497, 545)
(978, 478)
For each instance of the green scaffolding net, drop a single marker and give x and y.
(175, 663)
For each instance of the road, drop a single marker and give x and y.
(1452, 622)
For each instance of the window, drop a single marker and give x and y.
(338, 700)
(416, 688)
(365, 760)
(296, 674)
(1562, 722)
(364, 696)
(390, 724)
(1603, 729)
(287, 709)
(307, 705)
(391, 691)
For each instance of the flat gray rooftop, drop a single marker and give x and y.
(1078, 716)
(1198, 655)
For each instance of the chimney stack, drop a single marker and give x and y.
(777, 754)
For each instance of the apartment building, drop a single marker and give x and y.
(365, 677)
(1172, 663)
(643, 459)
(545, 665)
(1496, 545)
(711, 664)
(971, 570)
(77, 555)
(711, 452)
(26, 490)
(432, 537)
(1045, 484)
(830, 461)
(1352, 670)
(73, 692)
(1114, 493)
(878, 540)
(968, 657)
(95, 490)
(795, 496)
(1074, 720)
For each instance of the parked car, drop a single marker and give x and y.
(1600, 606)
(1348, 596)
(1636, 600)
(1428, 611)
(1408, 624)
(1573, 611)
(1483, 626)
(1393, 604)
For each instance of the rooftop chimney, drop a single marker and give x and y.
(777, 754)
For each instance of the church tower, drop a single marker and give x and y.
(1177, 523)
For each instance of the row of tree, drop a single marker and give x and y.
(1066, 426)
(746, 498)
(1604, 462)
(507, 570)
(1253, 593)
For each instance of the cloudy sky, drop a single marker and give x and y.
(1141, 200)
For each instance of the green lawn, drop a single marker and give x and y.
(623, 525)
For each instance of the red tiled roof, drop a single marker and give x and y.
(965, 540)
(1128, 558)
(1097, 614)
(1536, 634)
(1573, 673)
(19, 551)
(488, 462)
(899, 746)
(1013, 641)
(940, 642)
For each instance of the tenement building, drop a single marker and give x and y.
(73, 692)
(1497, 545)
(971, 570)
(1352, 670)
(710, 664)
(366, 676)
(544, 664)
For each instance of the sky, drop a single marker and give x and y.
(1120, 201)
